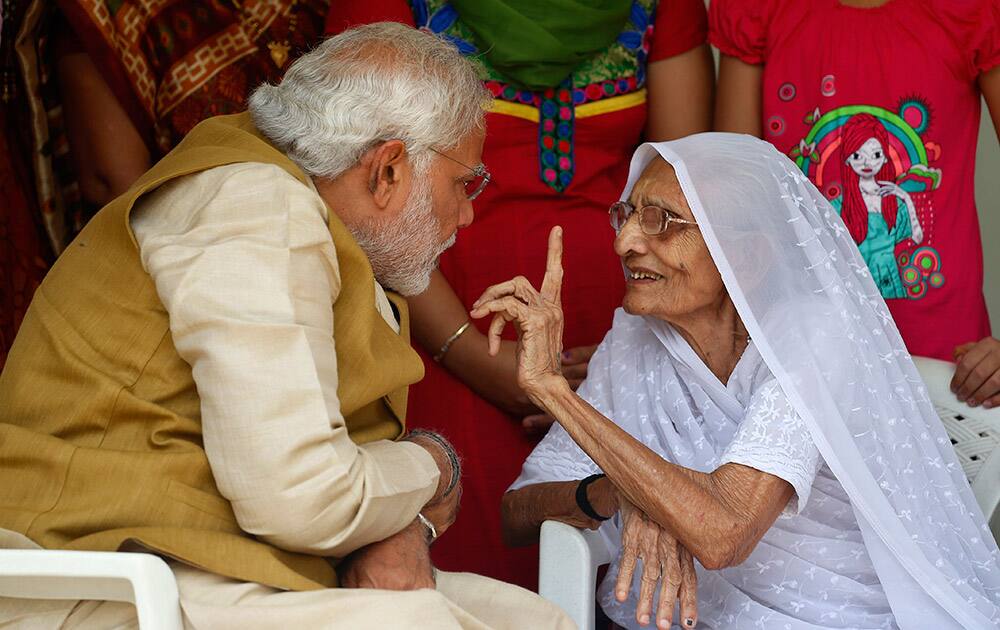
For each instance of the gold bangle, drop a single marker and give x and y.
(450, 340)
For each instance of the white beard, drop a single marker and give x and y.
(403, 251)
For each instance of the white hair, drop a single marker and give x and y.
(367, 85)
(404, 249)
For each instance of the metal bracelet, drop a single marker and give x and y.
(431, 530)
(450, 340)
(456, 465)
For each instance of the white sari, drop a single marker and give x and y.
(887, 532)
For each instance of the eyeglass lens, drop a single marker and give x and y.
(652, 219)
(475, 186)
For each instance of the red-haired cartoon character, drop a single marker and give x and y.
(870, 206)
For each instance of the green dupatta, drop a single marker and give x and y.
(535, 44)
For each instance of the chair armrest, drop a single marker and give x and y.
(567, 570)
(142, 579)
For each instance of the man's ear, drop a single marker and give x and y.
(388, 172)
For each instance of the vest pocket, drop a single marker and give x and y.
(200, 500)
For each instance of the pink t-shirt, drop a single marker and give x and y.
(880, 108)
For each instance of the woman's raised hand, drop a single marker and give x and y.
(664, 561)
(537, 316)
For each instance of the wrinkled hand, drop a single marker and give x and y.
(574, 369)
(664, 560)
(538, 317)
(977, 375)
(401, 562)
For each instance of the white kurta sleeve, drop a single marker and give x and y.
(244, 263)
(773, 438)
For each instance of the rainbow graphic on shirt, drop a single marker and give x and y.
(902, 263)
(911, 156)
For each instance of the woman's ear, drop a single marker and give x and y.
(389, 173)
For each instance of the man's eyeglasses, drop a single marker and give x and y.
(653, 220)
(480, 176)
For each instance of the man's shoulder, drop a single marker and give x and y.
(242, 191)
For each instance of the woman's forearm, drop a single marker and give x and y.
(435, 315)
(107, 150)
(524, 510)
(719, 517)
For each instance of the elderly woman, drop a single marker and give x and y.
(771, 454)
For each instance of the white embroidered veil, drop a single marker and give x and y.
(807, 299)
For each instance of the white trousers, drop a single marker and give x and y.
(213, 602)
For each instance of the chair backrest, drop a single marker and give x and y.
(974, 432)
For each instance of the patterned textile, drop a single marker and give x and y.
(24, 256)
(170, 63)
(619, 70)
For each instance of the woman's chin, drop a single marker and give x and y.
(638, 305)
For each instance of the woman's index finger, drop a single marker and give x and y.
(552, 284)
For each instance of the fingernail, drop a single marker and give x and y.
(644, 619)
(620, 595)
(973, 403)
(566, 356)
(689, 622)
(988, 404)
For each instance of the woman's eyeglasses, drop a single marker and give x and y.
(653, 220)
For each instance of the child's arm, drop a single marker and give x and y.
(680, 95)
(738, 105)
(989, 84)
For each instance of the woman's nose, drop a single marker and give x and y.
(630, 238)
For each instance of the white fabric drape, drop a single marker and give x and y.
(892, 519)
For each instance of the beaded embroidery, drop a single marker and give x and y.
(619, 70)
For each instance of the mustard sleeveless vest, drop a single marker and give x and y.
(100, 422)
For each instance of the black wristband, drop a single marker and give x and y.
(583, 502)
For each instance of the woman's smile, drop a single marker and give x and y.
(642, 275)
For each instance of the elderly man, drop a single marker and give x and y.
(214, 373)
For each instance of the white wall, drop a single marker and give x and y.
(988, 200)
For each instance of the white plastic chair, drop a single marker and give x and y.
(567, 569)
(974, 432)
(140, 578)
(569, 557)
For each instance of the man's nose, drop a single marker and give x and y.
(466, 214)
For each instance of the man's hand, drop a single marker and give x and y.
(977, 375)
(401, 562)
(664, 560)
